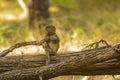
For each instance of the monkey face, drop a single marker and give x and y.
(50, 30)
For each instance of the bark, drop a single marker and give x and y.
(34, 61)
(83, 59)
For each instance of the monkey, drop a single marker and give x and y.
(51, 42)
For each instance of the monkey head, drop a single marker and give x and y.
(50, 30)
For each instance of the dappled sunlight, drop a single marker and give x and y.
(74, 48)
(11, 16)
(2, 49)
(7, 16)
(74, 45)
(30, 50)
(53, 9)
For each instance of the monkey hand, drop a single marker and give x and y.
(47, 38)
(54, 38)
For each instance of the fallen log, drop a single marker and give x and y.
(33, 61)
(82, 59)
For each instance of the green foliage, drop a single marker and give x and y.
(10, 6)
(13, 31)
(63, 4)
(90, 20)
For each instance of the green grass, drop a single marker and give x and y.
(13, 31)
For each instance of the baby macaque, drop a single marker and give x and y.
(51, 42)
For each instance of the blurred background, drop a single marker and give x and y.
(78, 23)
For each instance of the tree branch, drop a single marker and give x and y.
(83, 59)
(18, 45)
(33, 61)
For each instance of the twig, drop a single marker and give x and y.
(97, 44)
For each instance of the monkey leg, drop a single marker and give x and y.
(48, 58)
(40, 77)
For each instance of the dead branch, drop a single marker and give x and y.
(97, 44)
(18, 45)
